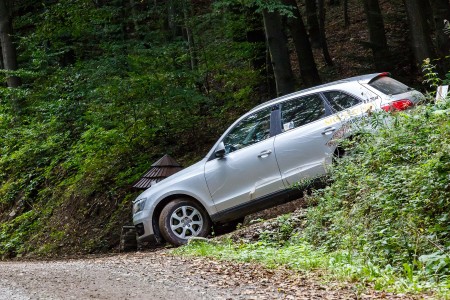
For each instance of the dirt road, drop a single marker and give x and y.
(158, 275)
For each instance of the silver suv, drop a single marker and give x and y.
(259, 158)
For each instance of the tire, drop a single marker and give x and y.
(182, 219)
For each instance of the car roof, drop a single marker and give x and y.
(362, 79)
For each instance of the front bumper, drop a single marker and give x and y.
(150, 238)
(144, 227)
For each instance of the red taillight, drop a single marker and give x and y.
(397, 105)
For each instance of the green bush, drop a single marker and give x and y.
(390, 201)
(106, 92)
(384, 219)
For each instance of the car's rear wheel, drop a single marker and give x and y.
(182, 219)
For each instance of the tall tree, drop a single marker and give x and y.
(189, 35)
(346, 17)
(441, 13)
(172, 17)
(312, 22)
(279, 53)
(305, 57)
(134, 15)
(323, 38)
(6, 42)
(419, 29)
(1, 59)
(378, 42)
(255, 35)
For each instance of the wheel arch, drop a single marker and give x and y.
(159, 207)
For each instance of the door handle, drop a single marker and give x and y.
(265, 153)
(328, 130)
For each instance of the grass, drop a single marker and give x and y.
(345, 266)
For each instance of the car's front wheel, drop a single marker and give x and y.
(182, 219)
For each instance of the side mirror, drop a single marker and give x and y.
(220, 151)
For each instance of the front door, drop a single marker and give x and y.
(249, 169)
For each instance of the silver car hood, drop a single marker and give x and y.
(177, 177)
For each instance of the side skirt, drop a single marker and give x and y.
(255, 205)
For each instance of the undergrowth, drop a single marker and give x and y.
(97, 108)
(384, 222)
(300, 255)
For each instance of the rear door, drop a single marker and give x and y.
(302, 148)
(347, 109)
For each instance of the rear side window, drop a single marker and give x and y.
(340, 101)
(389, 86)
(301, 111)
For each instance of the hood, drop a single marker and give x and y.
(193, 169)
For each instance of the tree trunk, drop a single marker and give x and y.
(255, 35)
(346, 17)
(313, 22)
(134, 16)
(305, 57)
(172, 18)
(7, 46)
(441, 12)
(189, 36)
(2, 67)
(420, 32)
(279, 53)
(323, 38)
(377, 36)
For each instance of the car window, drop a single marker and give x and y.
(389, 86)
(340, 101)
(301, 111)
(251, 130)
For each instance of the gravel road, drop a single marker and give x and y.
(159, 275)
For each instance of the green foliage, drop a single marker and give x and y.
(108, 89)
(384, 219)
(300, 255)
(14, 235)
(390, 201)
(260, 5)
(431, 76)
(284, 229)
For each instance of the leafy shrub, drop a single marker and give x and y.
(105, 93)
(390, 202)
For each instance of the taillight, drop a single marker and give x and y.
(397, 105)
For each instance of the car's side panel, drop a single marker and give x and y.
(263, 202)
(303, 152)
(243, 175)
(301, 149)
